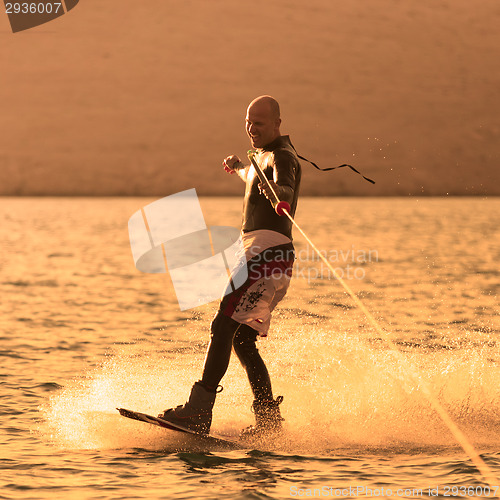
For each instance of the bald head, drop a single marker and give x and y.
(263, 121)
(269, 103)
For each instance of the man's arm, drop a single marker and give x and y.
(283, 183)
(284, 193)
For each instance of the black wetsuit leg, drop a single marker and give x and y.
(244, 344)
(223, 330)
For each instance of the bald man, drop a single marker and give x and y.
(245, 313)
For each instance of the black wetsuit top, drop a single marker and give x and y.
(279, 162)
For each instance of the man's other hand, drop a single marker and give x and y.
(266, 189)
(229, 163)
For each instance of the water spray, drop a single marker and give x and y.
(282, 208)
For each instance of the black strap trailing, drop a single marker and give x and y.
(332, 168)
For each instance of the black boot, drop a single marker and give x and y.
(267, 419)
(196, 413)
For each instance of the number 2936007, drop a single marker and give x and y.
(33, 7)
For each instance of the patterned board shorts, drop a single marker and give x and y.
(269, 275)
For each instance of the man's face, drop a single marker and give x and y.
(262, 128)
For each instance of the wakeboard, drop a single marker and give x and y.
(208, 439)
